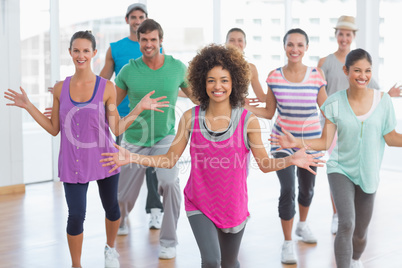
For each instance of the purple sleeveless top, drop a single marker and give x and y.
(84, 135)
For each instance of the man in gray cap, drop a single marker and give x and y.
(118, 55)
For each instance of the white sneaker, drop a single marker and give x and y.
(123, 230)
(167, 253)
(111, 257)
(305, 233)
(288, 255)
(155, 221)
(334, 224)
(356, 264)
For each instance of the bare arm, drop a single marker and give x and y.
(267, 164)
(52, 124)
(393, 139)
(108, 69)
(120, 95)
(255, 83)
(189, 93)
(168, 160)
(270, 106)
(319, 144)
(182, 94)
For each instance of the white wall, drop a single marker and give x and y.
(10, 117)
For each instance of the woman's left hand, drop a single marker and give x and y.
(284, 141)
(254, 102)
(304, 160)
(118, 159)
(395, 91)
(147, 103)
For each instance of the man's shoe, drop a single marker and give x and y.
(167, 253)
(155, 221)
(356, 264)
(123, 230)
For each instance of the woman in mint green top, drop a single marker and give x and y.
(364, 121)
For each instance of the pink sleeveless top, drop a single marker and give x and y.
(218, 179)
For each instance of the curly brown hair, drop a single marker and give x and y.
(231, 59)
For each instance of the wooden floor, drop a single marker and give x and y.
(32, 229)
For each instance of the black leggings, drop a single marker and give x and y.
(287, 179)
(76, 197)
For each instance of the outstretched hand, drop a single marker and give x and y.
(147, 103)
(304, 160)
(19, 100)
(252, 102)
(118, 159)
(284, 141)
(395, 91)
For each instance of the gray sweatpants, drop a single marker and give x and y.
(132, 178)
(354, 208)
(218, 249)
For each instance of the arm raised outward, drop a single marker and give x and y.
(168, 160)
(21, 100)
(119, 125)
(267, 164)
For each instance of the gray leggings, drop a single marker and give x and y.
(354, 208)
(218, 249)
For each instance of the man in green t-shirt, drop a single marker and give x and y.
(152, 133)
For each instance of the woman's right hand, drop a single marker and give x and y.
(284, 141)
(19, 100)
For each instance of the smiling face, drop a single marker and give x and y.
(218, 84)
(236, 39)
(82, 53)
(344, 38)
(295, 47)
(359, 74)
(150, 44)
(134, 19)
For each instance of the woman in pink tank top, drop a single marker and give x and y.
(84, 107)
(222, 133)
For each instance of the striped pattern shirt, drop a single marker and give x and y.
(297, 106)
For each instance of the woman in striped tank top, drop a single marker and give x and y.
(294, 91)
(221, 134)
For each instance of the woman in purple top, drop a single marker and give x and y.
(84, 107)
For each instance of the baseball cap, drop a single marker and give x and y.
(137, 6)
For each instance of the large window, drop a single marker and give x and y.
(35, 79)
(188, 26)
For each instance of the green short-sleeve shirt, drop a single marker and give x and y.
(360, 145)
(138, 79)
